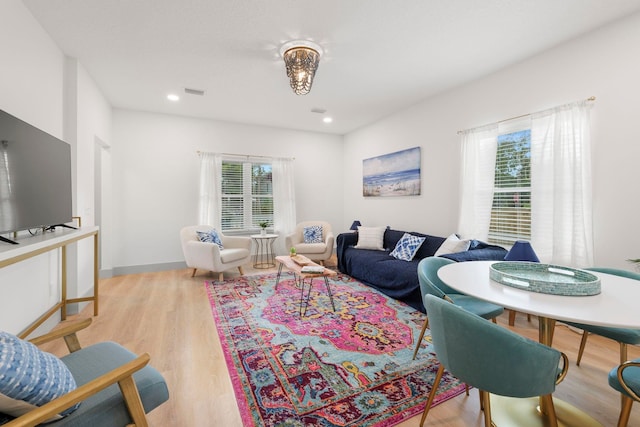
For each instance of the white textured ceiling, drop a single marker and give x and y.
(380, 55)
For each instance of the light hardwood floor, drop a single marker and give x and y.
(167, 314)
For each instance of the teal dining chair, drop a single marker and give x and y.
(624, 336)
(491, 358)
(625, 378)
(430, 284)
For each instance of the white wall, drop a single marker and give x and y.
(601, 64)
(37, 86)
(156, 178)
(31, 88)
(88, 115)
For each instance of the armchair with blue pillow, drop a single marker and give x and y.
(102, 385)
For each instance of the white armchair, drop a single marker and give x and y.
(209, 256)
(314, 251)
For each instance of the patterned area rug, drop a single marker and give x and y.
(348, 368)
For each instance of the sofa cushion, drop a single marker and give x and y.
(371, 238)
(453, 244)
(210, 236)
(312, 234)
(230, 255)
(30, 377)
(407, 247)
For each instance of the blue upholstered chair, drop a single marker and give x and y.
(430, 284)
(115, 387)
(626, 379)
(624, 336)
(491, 358)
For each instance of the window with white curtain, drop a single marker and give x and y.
(531, 182)
(238, 192)
(246, 195)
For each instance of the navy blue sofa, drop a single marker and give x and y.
(396, 278)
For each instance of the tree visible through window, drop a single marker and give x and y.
(511, 209)
(247, 195)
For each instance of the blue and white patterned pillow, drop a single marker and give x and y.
(210, 236)
(407, 247)
(30, 377)
(312, 234)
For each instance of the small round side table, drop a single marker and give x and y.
(264, 256)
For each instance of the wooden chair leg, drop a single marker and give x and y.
(240, 270)
(194, 272)
(424, 328)
(133, 402)
(627, 402)
(583, 343)
(486, 407)
(550, 410)
(623, 358)
(623, 353)
(432, 393)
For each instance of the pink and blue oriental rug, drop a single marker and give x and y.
(348, 368)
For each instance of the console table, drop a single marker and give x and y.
(30, 246)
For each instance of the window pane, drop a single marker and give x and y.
(511, 209)
(231, 178)
(232, 213)
(261, 179)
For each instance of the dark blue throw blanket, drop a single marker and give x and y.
(396, 278)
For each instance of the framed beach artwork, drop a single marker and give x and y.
(393, 174)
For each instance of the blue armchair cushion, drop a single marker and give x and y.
(107, 408)
(210, 236)
(407, 247)
(312, 234)
(30, 377)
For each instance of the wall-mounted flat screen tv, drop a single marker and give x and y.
(35, 177)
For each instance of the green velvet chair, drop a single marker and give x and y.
(624, 336)
(626, 379)
(115, 386)
(491, 358)
(430, 284)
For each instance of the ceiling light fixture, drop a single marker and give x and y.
(173, 97)
(301, 58)
(327, 119)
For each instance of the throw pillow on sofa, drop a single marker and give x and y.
(370, 238)
(407, 247)
(452, 245)
(312, 234)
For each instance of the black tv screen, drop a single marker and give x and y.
(35, 177)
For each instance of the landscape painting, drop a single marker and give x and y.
(393, 174)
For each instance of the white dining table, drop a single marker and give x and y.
(615, 305)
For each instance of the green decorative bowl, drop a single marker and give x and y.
(545, 278)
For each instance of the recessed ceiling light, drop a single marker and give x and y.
(173, 97)
(327, 119)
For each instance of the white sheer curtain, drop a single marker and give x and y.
(477, 175)
(209, 211)
(561, 200)
(284, 201)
